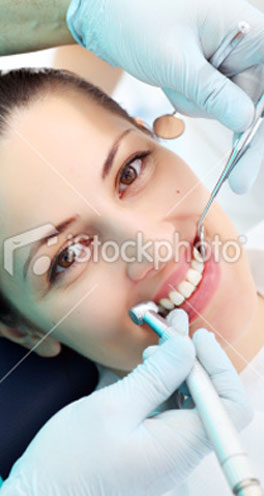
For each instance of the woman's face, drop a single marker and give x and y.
(51, 171)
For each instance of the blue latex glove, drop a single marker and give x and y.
(167, 44)
(245, 173)
(104, 445)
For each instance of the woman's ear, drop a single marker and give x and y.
(140, 122)
(33, 340)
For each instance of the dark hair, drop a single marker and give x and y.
(20, 87)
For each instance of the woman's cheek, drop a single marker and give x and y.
(232, 309)
(175, 184)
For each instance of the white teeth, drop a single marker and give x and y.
(176, 297)
(166, 303)
(199, 266)
(197, 255)
(186, 288)
(193, 276)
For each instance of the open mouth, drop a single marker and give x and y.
(180, 292)
(192, 285)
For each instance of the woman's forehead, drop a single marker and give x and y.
(57, 134)
(63, 115)
(55, 162)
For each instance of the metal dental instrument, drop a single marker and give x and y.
(240, 146)
(244, 139)
(229, 43)
(232, 458)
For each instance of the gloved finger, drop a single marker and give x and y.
(221, 98)
(251, 81)
(245, 173)
(222, 373)
(149, 351)
(155, 380)
(183, 105)
(215, 94)
(179, 320)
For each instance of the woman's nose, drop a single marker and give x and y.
(137, 271)
(140, 257)
(136, 252)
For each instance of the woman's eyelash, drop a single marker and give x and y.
(131, 170)
(52, 272)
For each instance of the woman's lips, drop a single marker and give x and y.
(204, 292)
(173, 280)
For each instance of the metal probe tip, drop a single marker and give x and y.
(199, 242)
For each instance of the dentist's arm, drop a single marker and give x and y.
(30, 25)
(106, 444)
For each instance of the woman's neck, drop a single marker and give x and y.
(247, 347)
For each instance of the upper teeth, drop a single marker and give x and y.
(198, 266)
(186, 287)
(197, 255)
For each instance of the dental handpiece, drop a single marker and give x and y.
(231, 455)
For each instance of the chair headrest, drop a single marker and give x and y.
(35, 390)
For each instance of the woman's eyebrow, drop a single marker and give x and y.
(111, 155)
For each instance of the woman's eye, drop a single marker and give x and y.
(66, 259)
(131, 171)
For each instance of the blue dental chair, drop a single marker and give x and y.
(35, 391)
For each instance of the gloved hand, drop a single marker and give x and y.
(105, 444)
(245, 173)
(167, 44)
